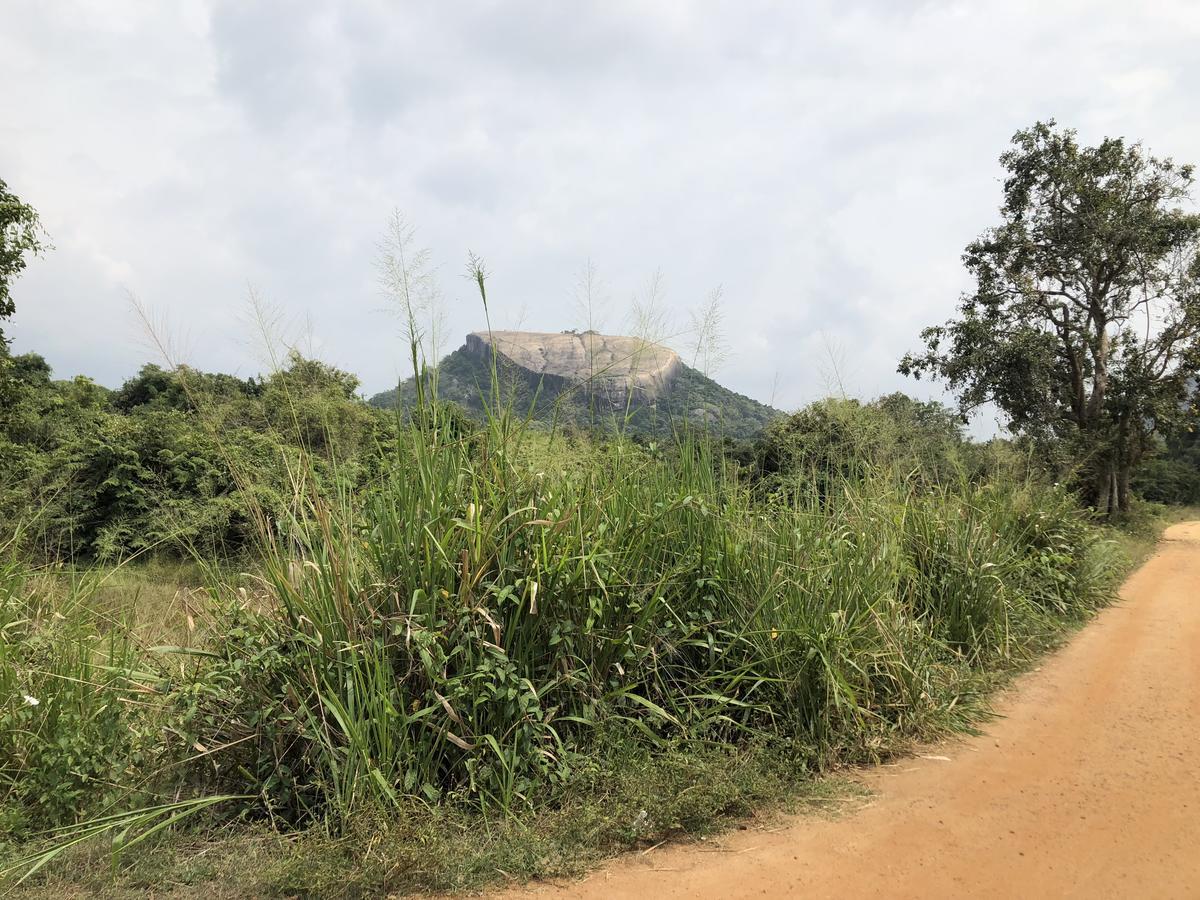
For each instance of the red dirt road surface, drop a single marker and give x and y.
(1087, 786)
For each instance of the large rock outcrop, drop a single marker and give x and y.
(589, 380)
(610, 367)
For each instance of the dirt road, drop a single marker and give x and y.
(1089, 786)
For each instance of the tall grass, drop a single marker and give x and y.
(460, 631)
(468, 628)
(65, 674)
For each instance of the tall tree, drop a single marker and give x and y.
(1084, 324)
(20, 235)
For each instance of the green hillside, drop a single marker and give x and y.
(466, 379)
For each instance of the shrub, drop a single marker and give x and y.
(1164, 480)
(833, 440)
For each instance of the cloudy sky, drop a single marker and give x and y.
(824, 163)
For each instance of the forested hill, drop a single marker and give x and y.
(554, 394)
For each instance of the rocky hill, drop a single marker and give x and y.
(588, 379)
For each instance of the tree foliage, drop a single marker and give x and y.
(174, 460)
(20, 236)
(1084, 323)
(834, 441)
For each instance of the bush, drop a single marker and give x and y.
(834, 440)
(180, 462)
(1171, 481)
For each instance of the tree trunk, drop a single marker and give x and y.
(1102, 499)
(1123, 493)
(1110, 492)
(1100, 373)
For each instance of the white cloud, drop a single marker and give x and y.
(824, 163)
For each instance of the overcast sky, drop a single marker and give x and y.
(825, 163)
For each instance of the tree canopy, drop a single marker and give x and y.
(1084, 323)
(20, 236)
(175, 460)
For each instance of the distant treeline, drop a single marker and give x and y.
(185, 461)
(174, 461)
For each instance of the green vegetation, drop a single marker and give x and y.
(474, 633)
(346, 650)
(837, 439)
(1084, 326)
(173, 462)
(1172, 474)
(20, 236)
(500, 627)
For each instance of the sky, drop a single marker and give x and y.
(824, 164)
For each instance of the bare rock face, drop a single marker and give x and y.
(612, 367)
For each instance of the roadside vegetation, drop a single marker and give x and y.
(480, 632)
(259, 637)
